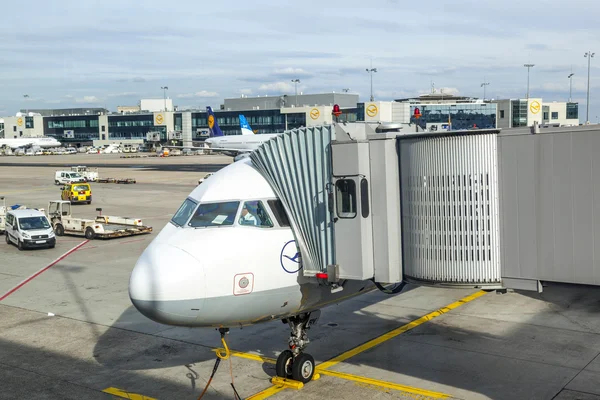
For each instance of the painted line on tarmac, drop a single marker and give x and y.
(384, 384)
(398, 331)
(126, 395)
(30, 278)
(322, 368)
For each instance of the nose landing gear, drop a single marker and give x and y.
(294, 363)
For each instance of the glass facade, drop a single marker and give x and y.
(29, 122)
(519, 113)
(572, 111)
(133, 126)
(84, 127)
(457, 116)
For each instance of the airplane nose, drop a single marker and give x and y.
(167, 285)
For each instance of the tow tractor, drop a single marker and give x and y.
(90, 174)
(102, 227)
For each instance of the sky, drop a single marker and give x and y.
(109, 53)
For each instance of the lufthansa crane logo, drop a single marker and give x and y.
(159, 119)
(372, 110)
(534, 107)
(314, 113)
(290, 258)
(20, 122)
(211, 121)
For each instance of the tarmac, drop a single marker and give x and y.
(71, 332)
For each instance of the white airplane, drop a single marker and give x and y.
(44, 142)
(237, 146)
(227, 259)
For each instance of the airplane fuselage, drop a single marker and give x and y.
(227, 274)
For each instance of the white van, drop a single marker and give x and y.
(63, 177)
(29, 228)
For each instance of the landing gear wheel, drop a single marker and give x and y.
(89, 233)
(303, 368)
(59, 230)
(283, 367)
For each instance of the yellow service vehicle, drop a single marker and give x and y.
(79, 192)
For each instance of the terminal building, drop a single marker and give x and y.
(271, 114)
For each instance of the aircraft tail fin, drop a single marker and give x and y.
(213, 125)
(246, 129)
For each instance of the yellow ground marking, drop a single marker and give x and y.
(392, 334)
(322, 368)
(384, 384)
(126, 395)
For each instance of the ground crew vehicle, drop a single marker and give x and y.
(90, 174)
(29, 228)
(77, 192)
(102, 227)
(67, 177)
(4, 209)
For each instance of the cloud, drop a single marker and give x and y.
(138, 79)
(201, 94)
(88, 99)
(124, 94)
(246, 91)
(277, 87)
(538, 46)
(291, 72)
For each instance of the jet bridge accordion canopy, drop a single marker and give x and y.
(297, 165)
(450, 208)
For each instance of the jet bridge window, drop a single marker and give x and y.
(215, 214)
(255, 214)
(346, 198)
(184, 212)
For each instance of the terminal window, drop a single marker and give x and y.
(554, 115)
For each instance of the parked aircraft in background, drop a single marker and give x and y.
(43, 142)
(237, 146)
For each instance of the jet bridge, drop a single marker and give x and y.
(480, 208)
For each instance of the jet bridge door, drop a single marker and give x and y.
(352, 211)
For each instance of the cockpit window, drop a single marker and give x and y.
(215, 214)
(254, 214)
(184, 212)
(279, 212)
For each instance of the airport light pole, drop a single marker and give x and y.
(570, 86)
(346, 90)
(589, 56)
(25, 96)
(483, 85)
(370, 71)
(528, 67)
(165, 88)
(296, 81)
